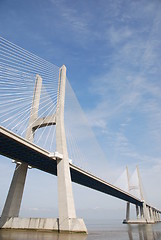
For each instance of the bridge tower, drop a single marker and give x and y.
(145, 212)
(14, 197)
(67, 216)
(128, 204)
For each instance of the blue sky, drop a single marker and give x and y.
(112, 50)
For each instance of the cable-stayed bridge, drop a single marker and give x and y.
(33, 132)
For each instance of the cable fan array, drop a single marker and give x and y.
(18, 70)
(83, 147)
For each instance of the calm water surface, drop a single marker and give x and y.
(97, 230)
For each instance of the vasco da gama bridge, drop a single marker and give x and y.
(15, 63)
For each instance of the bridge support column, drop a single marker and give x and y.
(141, 212)
(67, 215)
(127, 212)
(145, 213)
(14, 198)
(154, 215)
(137, 211)
(13, 201)
(151, 214)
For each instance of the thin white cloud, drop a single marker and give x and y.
(131, 88)
(73, 20)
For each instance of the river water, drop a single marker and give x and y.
(97, 230)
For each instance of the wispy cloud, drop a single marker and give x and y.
(132, 98)
(73, 20)
(130, 89)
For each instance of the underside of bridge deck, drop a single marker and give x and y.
(17, 150)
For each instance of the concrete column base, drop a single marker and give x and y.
(50, 224)
(72, 225)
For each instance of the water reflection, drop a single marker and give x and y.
(143, 232)
(34, 235)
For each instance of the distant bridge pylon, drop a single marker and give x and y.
(144, 213)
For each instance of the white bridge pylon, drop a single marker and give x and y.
(67, 216)
(144, 213)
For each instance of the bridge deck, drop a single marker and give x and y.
(19, 149)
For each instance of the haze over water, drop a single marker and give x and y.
(97, 230)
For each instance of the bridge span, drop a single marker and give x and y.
(21, 150)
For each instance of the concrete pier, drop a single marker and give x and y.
(43, 224)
